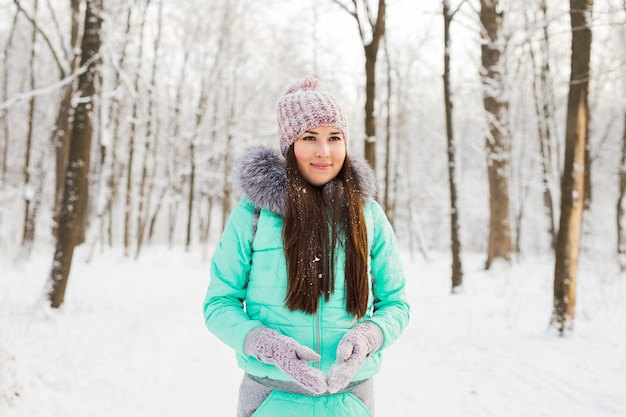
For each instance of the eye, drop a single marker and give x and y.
(335, 138)
(308, 137)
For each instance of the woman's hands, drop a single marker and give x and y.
(356, 345)
(289, 356)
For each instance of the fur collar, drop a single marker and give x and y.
(262, 177)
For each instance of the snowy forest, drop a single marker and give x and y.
(466, 114)
(497, 128)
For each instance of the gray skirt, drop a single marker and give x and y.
(254, 390)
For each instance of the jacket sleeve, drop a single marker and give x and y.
(391, 309)
(224, 312)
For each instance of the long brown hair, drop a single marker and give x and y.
(317, 221)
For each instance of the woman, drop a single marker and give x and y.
(306, 284)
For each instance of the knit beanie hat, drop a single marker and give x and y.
(304, 106)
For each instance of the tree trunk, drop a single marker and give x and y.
(190, 197)
(60, 140)
(371, 53)
(621, 200)
(573, 182)
(4, 117)
(621, 204)
(152, 135)
(129, 190)
(175, 178)
(587, 197)
(115, 117)
(371, 31)
(63, 125)
(128, 208)
(28, 230)
(455, 241)
(497, 141)
(544, 105)
(389, 170)
(205, 229)
(226, 202)
(370, 97)
(155, 215)
(78, 164)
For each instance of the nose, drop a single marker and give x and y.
(322, 149)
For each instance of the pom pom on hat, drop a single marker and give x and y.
(306, 105)
(308, 83)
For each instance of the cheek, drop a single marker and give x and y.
(339, 155)
(301, 158)
(300, 151)
(298, 154)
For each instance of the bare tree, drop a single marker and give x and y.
(497, 139)
(67, 64)
(115, 113)
(63, 124)
(621, 200)
(211, 61)
(175, 178)
(544, 109)
(4, 116)
(621, 204)
(390, 170)
(152, 135)
(191, 201)
(371, 23)
(63, 56)
(573, 181)
(74, 191)
(28, 230)
(455, 241)
(228, 159)
(130, 177)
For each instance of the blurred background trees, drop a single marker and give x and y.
(185, 87)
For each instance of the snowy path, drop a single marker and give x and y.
(130, 341)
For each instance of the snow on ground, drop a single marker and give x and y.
(130, 341)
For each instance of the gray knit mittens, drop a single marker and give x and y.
(291, 358)
(356, 345)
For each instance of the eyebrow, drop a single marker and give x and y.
(313, 132)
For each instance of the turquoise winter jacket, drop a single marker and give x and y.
(249, 275)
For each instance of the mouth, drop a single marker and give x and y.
(321, 166)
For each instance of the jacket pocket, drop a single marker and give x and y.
(358, 406)
(269, 407)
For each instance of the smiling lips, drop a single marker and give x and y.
(321, 166)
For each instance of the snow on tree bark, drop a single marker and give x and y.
(76, 177)
(455, 239)
(497, 137)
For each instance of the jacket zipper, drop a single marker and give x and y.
(318, 337)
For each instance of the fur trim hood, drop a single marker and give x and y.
(262, 177)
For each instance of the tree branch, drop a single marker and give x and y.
(64, 68)
(452, 13)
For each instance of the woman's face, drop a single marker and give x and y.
(320, 153)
